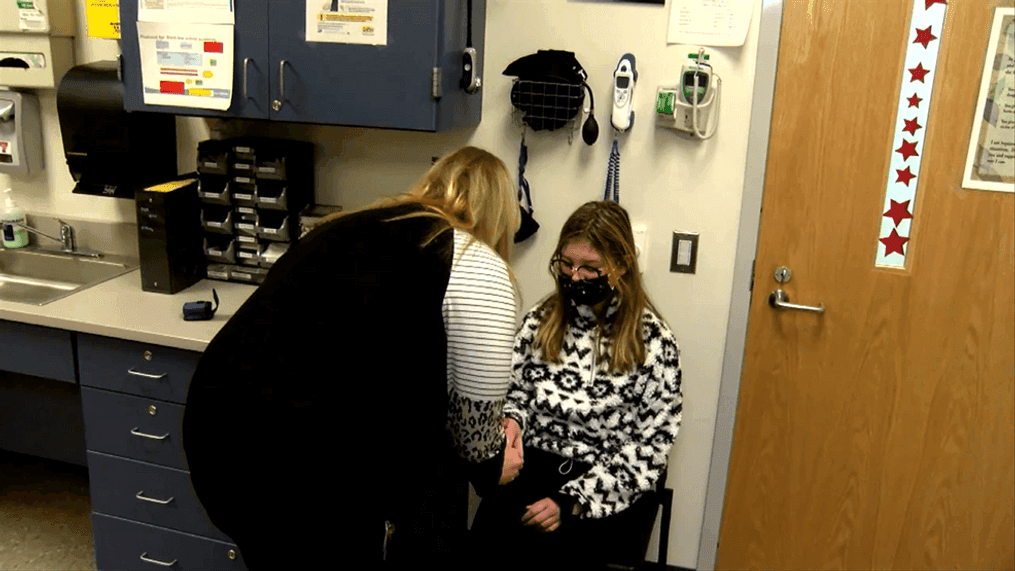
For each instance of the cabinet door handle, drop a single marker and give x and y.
(152, 436)
(145, 375)
(140, 495)
(277, 104)
(246, 61)
(156, 561)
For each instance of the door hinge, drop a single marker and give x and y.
(435, 83)
(751, 288)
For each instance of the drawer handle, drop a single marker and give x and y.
(146, 375)
(153, 437)
(140, 495)
(156, 561)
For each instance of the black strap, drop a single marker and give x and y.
(468, 32)
(523, 185)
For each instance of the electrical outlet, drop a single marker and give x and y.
(641, 244)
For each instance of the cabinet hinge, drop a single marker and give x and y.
(435, 83)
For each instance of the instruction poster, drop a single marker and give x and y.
(710, 22)
(102, 19)
(186, 66)
(186, 11)
(990, 162)
(348, 21)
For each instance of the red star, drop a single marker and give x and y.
(912, 126)
(924, 37)
(918, 73)
(908, 149)
(914, 101)
(932, 2)
(904, 176)
(898, 212)
(893, 243)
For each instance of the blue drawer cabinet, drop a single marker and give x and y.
(37, 351)
(133, 427)
(145, 513)
(136, 368)
(148, 493)
(121, 544)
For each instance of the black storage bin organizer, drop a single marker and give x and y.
(252, 191)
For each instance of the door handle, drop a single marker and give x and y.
(156, 561)
(246, 62)
(152, 436)
(779, 300)
(145, 375)
(140, 495)
(277, 104)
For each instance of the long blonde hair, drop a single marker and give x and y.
(607, 228)
(470, 189)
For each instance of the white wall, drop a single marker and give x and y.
(668, 183)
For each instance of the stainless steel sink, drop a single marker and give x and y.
(39, 276)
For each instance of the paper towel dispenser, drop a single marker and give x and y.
(111, 152)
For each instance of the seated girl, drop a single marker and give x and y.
(595, 399)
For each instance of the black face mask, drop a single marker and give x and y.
(585, 292)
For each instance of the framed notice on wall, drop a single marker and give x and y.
(990, 162)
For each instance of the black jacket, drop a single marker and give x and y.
(318, 411)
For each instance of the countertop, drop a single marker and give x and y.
(119, 308)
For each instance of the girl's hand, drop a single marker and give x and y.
(544, 514)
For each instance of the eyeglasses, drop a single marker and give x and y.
(559, 265)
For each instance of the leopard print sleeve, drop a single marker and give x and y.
(479, 315)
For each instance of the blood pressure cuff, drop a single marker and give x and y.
(550, 88)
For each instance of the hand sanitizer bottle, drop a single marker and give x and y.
(13, 236)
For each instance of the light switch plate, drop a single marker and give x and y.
(684, 253)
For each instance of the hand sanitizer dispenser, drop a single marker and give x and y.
(20, 133)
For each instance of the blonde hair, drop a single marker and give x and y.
(470, 189)
(607, 228)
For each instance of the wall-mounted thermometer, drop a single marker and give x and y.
(624, 78)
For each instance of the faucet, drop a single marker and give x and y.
(66, 239)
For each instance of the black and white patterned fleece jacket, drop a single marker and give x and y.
(623, 424)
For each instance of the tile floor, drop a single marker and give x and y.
(45, 512)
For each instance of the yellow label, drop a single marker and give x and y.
(170, 186)
(103, 19)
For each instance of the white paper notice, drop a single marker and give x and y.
(990, 162)
(348, 21)
(186, 65)
(186, 11)
(710, 22)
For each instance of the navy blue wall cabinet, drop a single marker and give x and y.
(410, 83)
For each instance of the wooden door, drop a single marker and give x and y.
(880, 434)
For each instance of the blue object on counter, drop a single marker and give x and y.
(200, 310)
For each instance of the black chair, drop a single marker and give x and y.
(661, 497)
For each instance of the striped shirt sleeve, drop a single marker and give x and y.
(479, 317)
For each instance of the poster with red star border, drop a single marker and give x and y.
(925, 30)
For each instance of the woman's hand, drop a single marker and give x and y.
(513, 432)
(544, 514)
(512, 453)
